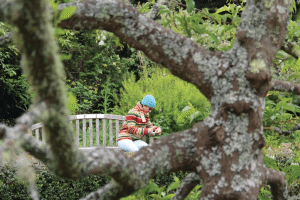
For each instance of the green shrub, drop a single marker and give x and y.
(51, 187)
(48, 185)
(176, 99)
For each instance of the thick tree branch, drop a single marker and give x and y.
(291, 48)
(135, 172)
(260, 22)
(285, 86)
(187, 186)
(278, 184)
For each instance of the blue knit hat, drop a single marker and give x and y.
(149, 100)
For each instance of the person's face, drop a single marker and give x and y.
(147, 109)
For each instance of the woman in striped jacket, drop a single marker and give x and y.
(137, 125)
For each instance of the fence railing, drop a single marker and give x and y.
(91, 130)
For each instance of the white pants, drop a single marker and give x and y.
(132, 146)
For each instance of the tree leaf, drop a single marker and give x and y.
(54, 5)
(67, 13)
(168, 197)
(226, 28)
(271, 163)
(164, 9)
(65, 57)
(197, 18)
(213, 36)
(224, 8)
(174, 185)
(72, 102)
(190, 5)
(186, 108)
(59, 31)
(273, 117)
(263, 197)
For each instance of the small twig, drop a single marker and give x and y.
(21, 108)
(141, 60)
(290, 48)
(286, 132)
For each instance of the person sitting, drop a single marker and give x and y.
(137, 125)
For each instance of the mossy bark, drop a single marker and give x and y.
(41, 62)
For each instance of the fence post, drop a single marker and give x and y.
(91, 131)
(84, 132)
(104, 131)
(97, 132)
(111, 133)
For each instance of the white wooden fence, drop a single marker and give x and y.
(95, 122)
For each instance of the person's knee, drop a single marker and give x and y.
(129, 149)
(127, 146)
(140, 144)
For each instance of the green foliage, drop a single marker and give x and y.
(52, 187)
(264, 194)
(14, 96)
(85, 95)
(49, 186)
(210, 30)
(279, 109)
(172, 96)
(164, 192)
(109, 96)
(94, 74)
(66, 13)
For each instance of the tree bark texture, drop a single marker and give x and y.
(224, 150)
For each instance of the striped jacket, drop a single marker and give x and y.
(135, 128)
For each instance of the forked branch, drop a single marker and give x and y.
(278, 184)
(187, 186)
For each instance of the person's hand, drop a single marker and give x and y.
(150, 130)
(158, 130)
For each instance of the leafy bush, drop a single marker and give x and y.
(51, 187)
(48, 185)
(164, 192)
(282, 154)
(172, 95)
(14, 97)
